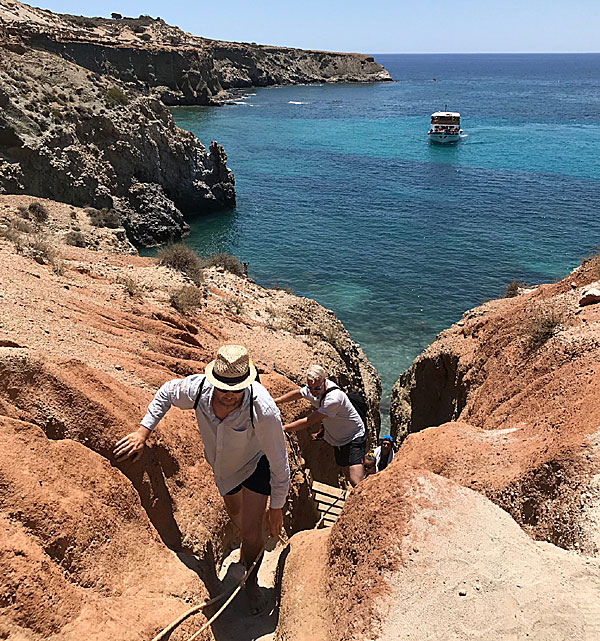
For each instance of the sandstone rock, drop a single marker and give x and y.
(590, 297)
(416, 553)
(513, 401)
(119, 548)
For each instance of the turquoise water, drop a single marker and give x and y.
(342, 198)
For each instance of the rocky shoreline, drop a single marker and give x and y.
(85, 121)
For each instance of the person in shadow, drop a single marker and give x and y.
(384, 453)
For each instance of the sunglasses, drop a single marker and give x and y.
(316, 387)
(230, 391)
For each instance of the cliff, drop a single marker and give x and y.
(180, 68)
(487, 522)
(84, 119)
(88, 332)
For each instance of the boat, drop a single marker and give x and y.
(445, 127)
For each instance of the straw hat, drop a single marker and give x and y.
(232, 369)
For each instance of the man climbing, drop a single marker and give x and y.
(343, 426)
(384, 453)
(243, 443)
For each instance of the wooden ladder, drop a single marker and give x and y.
(330, 501)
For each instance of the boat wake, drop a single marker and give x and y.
(295, 102)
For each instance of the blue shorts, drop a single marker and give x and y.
(259, 481)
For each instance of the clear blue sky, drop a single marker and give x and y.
(375, 26)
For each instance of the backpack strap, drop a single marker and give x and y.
(199, 394)
(329, 389)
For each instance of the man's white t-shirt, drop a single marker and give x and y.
(341, 421)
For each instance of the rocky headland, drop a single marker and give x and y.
(84, 115)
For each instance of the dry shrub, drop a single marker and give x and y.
(103, 217)
(115, 96)
(38, 211)
(132, 287)
(234, 305)
(542, 327)
(180, 257)
(75, 238)
(513, 288)
(23, 226)
(187, 299)
(40, 248)
(11, 234)
(281, 288)
(228, 262)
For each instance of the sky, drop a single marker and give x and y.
(375, 26)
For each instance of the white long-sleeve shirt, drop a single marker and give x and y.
(232, 446)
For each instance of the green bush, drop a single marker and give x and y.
(186, 299)
(115, 96)
(182, 258)
(226, 261)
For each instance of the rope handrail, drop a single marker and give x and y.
(197, 608)
(231, 592)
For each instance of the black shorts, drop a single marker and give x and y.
(352, 453)
(259, 481)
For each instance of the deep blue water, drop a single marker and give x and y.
(342, 198)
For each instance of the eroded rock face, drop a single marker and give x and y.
(86, 338)
(84, 118)
(417, 556)
(512, 389)
(182, 69)
(88, 142)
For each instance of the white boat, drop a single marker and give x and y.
(445, 127)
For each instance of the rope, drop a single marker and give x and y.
(202, 606)
(233, 591)
(232, 596)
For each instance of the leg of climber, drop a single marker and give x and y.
(233, 505)
(355, 474)
(253, 540)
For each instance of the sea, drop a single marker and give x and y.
(341, 197)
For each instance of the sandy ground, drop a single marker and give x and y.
(237, 622)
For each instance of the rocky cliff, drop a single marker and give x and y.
(180, 68)
(84, 120)
(88, 331)
(487, 522)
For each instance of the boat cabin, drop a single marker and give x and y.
(445, 118)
